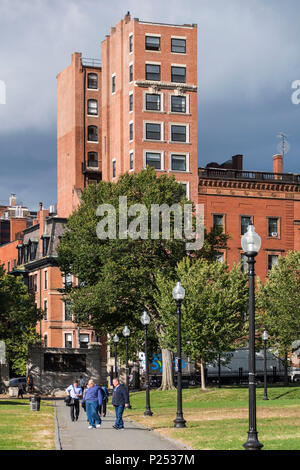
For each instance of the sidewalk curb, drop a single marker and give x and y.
(57, 435)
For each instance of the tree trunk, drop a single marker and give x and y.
(167, 382)
(202, 376)
(286, 378)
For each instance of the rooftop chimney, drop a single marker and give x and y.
(12, 200)
(277, 164)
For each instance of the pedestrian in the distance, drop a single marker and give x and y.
(20, 389)
(120, 400)
(102, 408)
(82, 383)
(75, 393)
(93, 399)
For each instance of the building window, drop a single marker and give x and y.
(68, 340)
(131, 161)
(245, 222)
(68, 280)
(154, 160)
(178, 45)
(93, 133)
(68, 310)
(152, 102)
(152, 43)
(45, 341)
(178, 104)
(273, 228)
(220, 257)
(178, 162)
(113, 84)
(153, 131)
(131, 131)
(92, 159)
(218, 221)
(92, 107)
(131, 102)
(45, 245)
(84, 340)
(45, 279)
(35, 282)
(93, 181)
(186, 188)
(130, 73)
(33, 249)
(93, 81)
(130, 43)
(45, 309)
(178, 133)
(114, 168)
(272, 261)
(153, 72)
(178, 74)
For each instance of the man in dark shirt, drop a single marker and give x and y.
(120, 401)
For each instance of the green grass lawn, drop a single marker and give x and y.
(217, 419)
(23, 429)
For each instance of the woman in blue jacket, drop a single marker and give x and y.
(93, 399)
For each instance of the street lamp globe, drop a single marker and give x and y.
(178, 292)
(145, 319)
(126, 331)
(265, 336)
(116, 338)
(251, 241)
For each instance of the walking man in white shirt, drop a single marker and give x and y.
(75, 393)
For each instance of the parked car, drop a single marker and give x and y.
(15, 381)
(295, 375)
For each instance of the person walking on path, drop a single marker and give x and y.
(93, 399)
(20, 389)
(120, 400)
(75, 393)
(102, 408)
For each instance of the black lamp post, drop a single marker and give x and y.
(145, 319)
(126, 333)
(178, 294)
(116, 340)
(251, 244)
(265, 338)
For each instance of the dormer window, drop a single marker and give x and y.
(45, 245)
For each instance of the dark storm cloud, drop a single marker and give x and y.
(248, 57)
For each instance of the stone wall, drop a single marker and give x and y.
(54, 369)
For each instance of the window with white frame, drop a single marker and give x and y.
(178, 104)
(84, 340)
(153, 131)
(152, 43)
(130, 72)
(45, 309)
(186, 187)
(272, 261)
(154, 159)
(153, 102)
(68, 310)
(68, 340)
(178, 45)
(114, 168)
(179, 133)
(45, 341)
(179, 162)
(130, 102)
(131, 161)
(92, 133)
(93, 81)
(113, 83)
(130, 43)
(131, 131)
(45, 279)
(178, 74)
(153, 72)
(92, 107)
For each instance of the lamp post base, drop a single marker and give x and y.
(148, 413)
(252, 442)
(266, 398)
(179, 422)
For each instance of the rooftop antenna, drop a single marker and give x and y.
(283, 147)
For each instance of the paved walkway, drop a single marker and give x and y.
(76, 435)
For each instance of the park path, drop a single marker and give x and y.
(76, 435)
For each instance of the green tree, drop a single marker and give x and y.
(213, 310)
(119, 274)
(278, 302)
(18, 319)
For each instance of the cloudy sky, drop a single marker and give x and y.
(248, 58)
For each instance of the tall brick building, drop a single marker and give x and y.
(138, 108)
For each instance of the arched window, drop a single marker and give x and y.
(93, 81)
(92, 107)
(93, 133)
